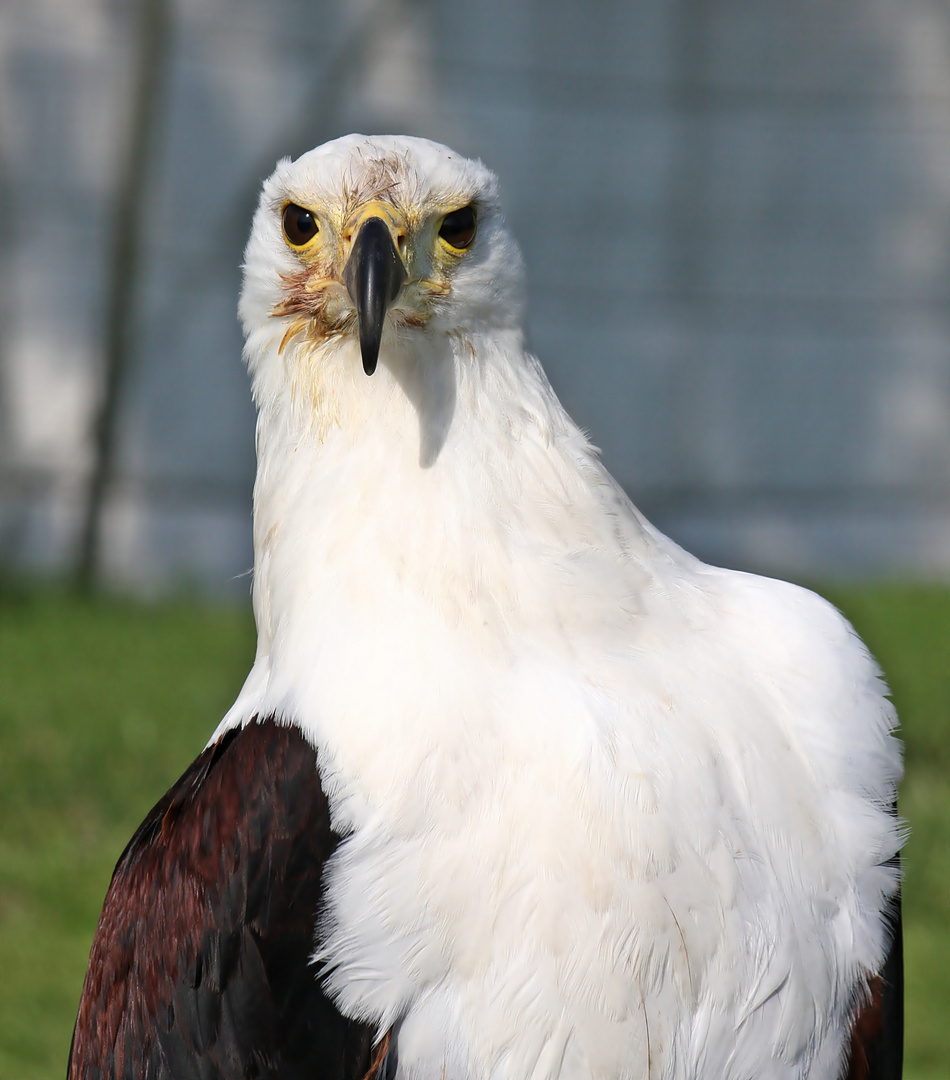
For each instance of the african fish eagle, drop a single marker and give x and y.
(516, 789)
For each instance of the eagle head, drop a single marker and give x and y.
(365, 241)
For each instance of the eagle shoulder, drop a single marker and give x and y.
(201, 963)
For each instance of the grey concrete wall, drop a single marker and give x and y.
(735, 214)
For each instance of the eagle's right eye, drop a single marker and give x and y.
(300, 226)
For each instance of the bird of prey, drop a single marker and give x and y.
(516, 788)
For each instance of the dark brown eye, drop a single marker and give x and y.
(299, 225)
(458, 228)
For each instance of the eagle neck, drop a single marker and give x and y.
(445, 503)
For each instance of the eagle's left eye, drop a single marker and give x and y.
(458, 228)
(300, 226)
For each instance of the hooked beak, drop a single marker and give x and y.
(373, 275)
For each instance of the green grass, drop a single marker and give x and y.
(908, 630)
(103, 703)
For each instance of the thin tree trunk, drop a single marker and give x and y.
(124, 273)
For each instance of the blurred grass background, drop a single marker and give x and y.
(104, 702)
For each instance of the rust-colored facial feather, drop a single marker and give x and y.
(301, 297)
(311, 305)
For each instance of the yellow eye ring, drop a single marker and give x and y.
(299, 225)
(458, 228)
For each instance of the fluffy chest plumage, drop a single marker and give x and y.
(585, 786)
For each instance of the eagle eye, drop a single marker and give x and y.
(300, 226)
(458, 228)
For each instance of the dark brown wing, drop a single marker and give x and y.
(200, 967)
(877, 1034)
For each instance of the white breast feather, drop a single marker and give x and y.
(611, 812)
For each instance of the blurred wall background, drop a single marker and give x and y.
(735, 216)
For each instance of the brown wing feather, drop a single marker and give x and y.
(877, 1033)
(200, 964)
